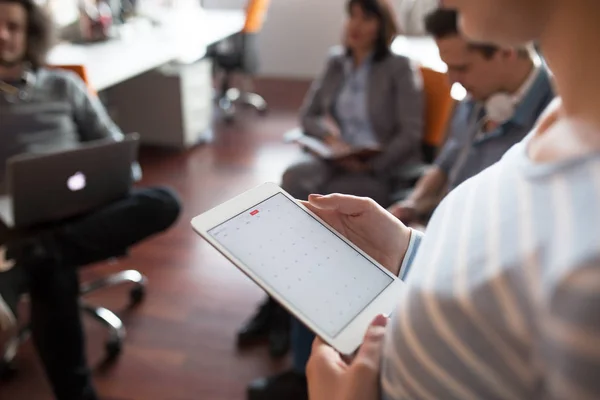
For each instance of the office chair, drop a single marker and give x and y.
(110, 320)
(439, 105)
(239, 54)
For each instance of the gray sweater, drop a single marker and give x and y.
(60, 113)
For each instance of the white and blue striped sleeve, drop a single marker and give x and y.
(570, 343)
(416, 238)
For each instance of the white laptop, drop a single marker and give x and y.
(44, 188)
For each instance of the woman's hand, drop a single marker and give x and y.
(366, 224)
(331, 378)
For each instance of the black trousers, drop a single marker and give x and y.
(54, 286)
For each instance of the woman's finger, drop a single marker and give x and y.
(344, 204)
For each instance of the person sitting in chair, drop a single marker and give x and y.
(44, 109)
(366, 97)
(508, 90)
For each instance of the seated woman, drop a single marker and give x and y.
(366, 97)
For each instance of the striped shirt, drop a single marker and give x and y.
(503, 296)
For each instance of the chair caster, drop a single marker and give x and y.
(7, 370)
(113, 348)
(137, 295)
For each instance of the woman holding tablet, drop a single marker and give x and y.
(503, 297)
(366, 97)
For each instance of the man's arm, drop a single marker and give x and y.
(427, 194)
(91, 118)
(429, 190)
(89, 114)
(432, 186)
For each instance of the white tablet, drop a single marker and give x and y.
(326, 282)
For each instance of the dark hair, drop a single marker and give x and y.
(382, 10)
(443, 23)
(39, 30)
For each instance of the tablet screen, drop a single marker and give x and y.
(313, 269)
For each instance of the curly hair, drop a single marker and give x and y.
(40, 32)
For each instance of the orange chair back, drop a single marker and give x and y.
(439, 106)
(256, 11)
(79, 70)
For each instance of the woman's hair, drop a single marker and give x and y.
(382, 10)
(39, 31)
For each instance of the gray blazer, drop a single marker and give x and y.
(396, 108)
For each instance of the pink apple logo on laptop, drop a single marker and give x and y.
(76, 182)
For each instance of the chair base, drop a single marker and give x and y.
(227, 102)
(110, 320)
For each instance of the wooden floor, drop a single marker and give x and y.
(180, 343)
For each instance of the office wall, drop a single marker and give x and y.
(224, 4)
(297, 34)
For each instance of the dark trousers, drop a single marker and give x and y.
(54, 286)
(302, 340)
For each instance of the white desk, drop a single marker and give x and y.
(180, 36)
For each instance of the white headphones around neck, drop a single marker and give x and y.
(500, 108)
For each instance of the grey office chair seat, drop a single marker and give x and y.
(116, 329)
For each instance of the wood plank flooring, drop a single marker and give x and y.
(180, 343)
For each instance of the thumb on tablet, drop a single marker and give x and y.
(370, 351)
(364, 370)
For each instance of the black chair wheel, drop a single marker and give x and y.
(114, 347)
(137, 295)
(7, 370)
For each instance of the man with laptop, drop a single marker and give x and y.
(69, 174)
